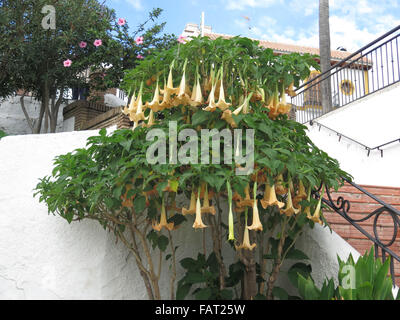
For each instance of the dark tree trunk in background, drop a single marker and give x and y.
(325, 53)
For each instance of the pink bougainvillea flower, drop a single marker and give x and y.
(97, 42)
(82, 44)
(67, 63)
(121, 21)
(139, 40)
(139, 56)
(182, 39)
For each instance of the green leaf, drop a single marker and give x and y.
(183, 291)
(162, 242)
(296, 269)
(194, 277)
(296, 254)
(139, 204)
(203, 294)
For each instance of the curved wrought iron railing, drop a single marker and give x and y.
(342, 207)
(368, 70)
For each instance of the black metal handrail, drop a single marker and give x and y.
(342, 207)
(369, 149)
(369, 69)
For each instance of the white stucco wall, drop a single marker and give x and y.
(12, 119)
(373, 120)
(43, 257)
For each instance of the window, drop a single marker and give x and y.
(347, 87)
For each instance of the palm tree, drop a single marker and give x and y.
(325, 54)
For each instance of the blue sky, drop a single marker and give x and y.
(353, 23)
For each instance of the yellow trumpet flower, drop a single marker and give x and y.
(256, 223)
(246, 238)
(197, 96)
(139, 114)
(227, 116)
(163, 221)
(301, 194)
(283, 107)
(244, 108)
(290, 90)
(211, 100)
(206, 208)
(247, 201)
(280, 189)
(155, 104)
(222, 104)
(198, 223)
(273, 106)
(290, 209)
(192, 207)
(270, 197)
(182, 97)
(317, 213)
(231, 236)
(150, 120)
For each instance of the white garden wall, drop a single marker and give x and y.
(373, 120)
(12, 119)
(43, 257)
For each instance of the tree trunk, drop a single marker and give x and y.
(250, 276)
(325, 54)
(55, 107)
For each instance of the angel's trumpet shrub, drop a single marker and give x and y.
(132, 105)
(317, 213)
(192, 207)
(290, 209)
(273, 106)
(246, 238)
(256, 223)
(283, 107)
(231, 236)
(198, 223)
(270, 197)
(163, 221)
(206, 204)
(167, 100)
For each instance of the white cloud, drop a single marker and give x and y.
(242, 4)
(137, 4)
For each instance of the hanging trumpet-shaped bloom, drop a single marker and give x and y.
(212, 106)
(317, 213)
(307, 210)
(244, 108)
(283, 107)
(163, 220)
(246, 238)
(198, 223)
(227, 116)
(280, 189)
(166, 101)
(222, 104)
(169, 89)
(126, 110)
(270, 197)
(273, 106)
(290, 90)
(150, 120)
(247, 201)
(256, 224)
(206, 208)
(192, 207)
(155, 104)
(183, 96)
(301, 194)
(197, 96)
(231, 236)
(290, 209)
(139, 115)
